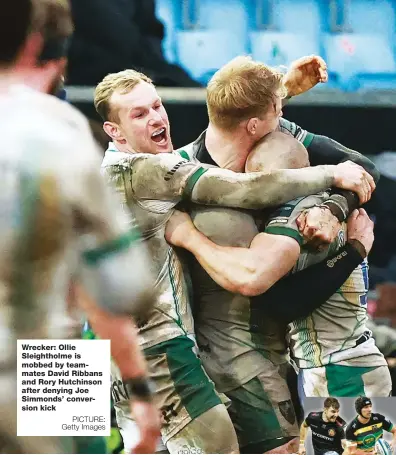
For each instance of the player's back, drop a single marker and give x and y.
(231, 341)
(38, 184)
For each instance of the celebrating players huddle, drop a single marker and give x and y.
(233, 257)
(263, 282)
(363, 435)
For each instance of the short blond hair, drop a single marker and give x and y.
(242, 89)
(122, 82)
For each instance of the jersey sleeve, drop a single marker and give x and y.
(350, 434)
(283, 220)
(308, 420)
(386, 423)
(341, 432)
(166, 176)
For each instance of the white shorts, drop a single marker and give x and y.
(344, 381)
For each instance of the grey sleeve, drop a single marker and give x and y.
(258, 190)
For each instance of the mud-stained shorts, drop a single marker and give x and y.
(344, 381)
(262, 411)
(183, 392)
(211, 432)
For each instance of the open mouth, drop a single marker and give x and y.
(159, 136)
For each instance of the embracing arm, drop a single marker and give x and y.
(252, 271)
(169, 177)
(247, 271)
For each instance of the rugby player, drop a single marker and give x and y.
(327, 427)
(243, 348)
(333, 347)
(59, 221)
(368, 427)
(152, 181)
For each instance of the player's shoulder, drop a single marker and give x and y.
(376, 417)
(314, 416)
(187, 151)
(115, 158)
(353, 424)
(56, 108)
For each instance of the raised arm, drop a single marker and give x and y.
(303, 436)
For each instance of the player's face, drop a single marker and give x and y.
(331, 414)
(143, 121)
(367, 411)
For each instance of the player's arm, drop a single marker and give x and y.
(323, 279)
(351, 439)
(115, 261)
(303, 436)
(171, 178)
(388, 426)
(248, 271)
(128, 356)
(324, 150)
(393, 442)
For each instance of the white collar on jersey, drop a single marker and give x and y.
(112, 155)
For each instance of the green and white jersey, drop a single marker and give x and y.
(138, 178)
(336, 332)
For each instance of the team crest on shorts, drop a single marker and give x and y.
(332, 432)
(287, 410)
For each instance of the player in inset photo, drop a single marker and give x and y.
(327, 428)
(367, 428)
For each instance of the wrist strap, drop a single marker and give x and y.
(359, 247)
(140, 389)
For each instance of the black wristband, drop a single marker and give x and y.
(140, 389)
(359, 247)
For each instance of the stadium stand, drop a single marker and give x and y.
(356, 37)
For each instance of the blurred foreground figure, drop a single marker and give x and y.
(59, 223)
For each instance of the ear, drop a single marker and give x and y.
(252, 125)
(113, 130)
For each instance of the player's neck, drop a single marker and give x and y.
(324, 418)
(228, 150)
(363, 419)
(123, 147)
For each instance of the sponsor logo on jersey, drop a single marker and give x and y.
(369, 440)
(322, 436)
